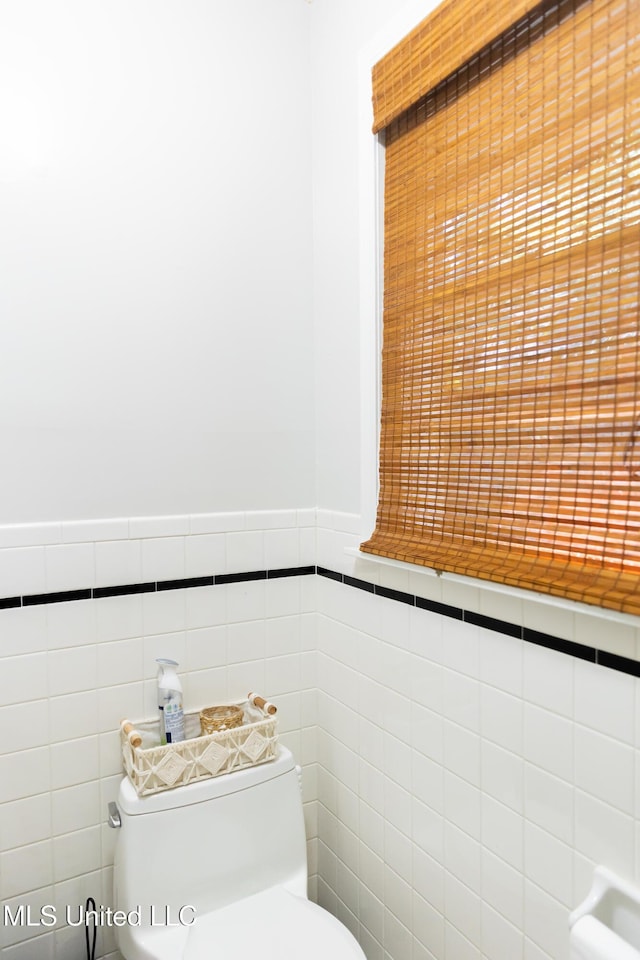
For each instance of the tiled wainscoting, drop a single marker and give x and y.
(70, 669)
(468, 779)
(460, 782)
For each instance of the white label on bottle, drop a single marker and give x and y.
(173, 721)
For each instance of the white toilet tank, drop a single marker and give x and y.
(211, 843)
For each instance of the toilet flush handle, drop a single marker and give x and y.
(114, 816)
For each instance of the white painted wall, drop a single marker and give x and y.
(155, 240)
(452, 807)
(346, 40)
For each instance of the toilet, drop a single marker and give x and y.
(218, 868)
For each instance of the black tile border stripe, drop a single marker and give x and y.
(398, 595)
(569, 647)
(445, 609)
(62, 596)
(491, 623)
(602, 657)
(616, 662)
(152, 586)
(240, 577)
(331, 574)
(562, 646)
(290, 572)
(9, 602)
(360, 584)
(124, 590)
(185, 584)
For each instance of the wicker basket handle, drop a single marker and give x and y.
(262, 704)
(131, 733)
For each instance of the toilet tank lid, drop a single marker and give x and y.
(208, 789)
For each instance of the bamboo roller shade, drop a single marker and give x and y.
(455, 31)
(510, 433)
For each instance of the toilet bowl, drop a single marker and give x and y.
(218, 868)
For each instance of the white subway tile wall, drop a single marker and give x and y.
(70, 670)
(459, 784)
(490, 775)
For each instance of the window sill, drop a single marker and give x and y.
(487, 586)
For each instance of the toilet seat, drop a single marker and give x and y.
(273, 925)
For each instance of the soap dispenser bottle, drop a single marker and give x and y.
(170, 702)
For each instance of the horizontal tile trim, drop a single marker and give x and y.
(123, 590)
(10, 602)
(443, 608)
(185, 584)
(569, 647)
(151, 586)
(240, 577)
(360, 584)
(492, 623)
(616, 662)
(331, 574)
(62, 596)
(398, 595)
(560, 645)
(290, 572)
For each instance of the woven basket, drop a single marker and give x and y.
(153, 767)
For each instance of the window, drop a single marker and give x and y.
(510, 430)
